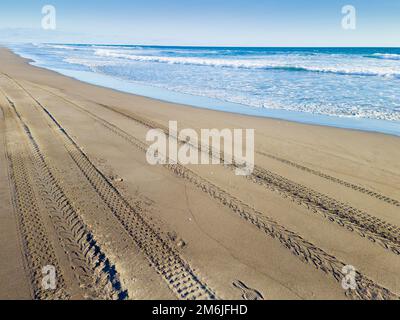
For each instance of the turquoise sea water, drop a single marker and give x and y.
(356, 88)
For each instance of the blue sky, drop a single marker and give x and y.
(205, 22)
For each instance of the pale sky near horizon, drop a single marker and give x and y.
(205, 22)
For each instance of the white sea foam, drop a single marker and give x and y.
(349, 69)
(341, 110)
(90, 63)
(388, 56)
(62, 47)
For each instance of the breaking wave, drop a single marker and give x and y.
(253, 64)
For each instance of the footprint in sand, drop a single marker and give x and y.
(247, 293)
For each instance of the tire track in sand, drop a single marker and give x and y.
(152, 125)
(37, 249)
(307, 252)
(342, 182)
(96, 275)
(178, 274)
(352, 219)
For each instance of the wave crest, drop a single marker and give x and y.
(253, 64)
(386, 56)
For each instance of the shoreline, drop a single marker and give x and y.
(164, 95)
(163, 110)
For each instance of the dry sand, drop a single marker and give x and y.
(77, 193)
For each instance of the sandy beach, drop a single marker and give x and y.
(77, 193)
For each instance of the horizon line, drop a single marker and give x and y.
(216, 46)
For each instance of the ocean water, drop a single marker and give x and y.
(355, 88)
